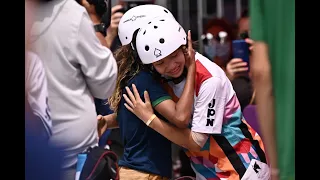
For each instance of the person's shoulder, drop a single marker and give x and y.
(143, 76)
(78, 13)
(144, 80)
(75, 6)
(204, 64)
(207, 70)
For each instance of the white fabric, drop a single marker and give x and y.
(257, 170)
(199, 138)
(78, 68)
(136, 17)
(37, 90)
(150, 36)
(215, 88)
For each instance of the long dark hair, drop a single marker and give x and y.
(129, 64)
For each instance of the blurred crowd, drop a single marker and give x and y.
(129, 79)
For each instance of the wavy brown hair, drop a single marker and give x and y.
(129, 64)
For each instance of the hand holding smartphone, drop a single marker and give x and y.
(241, 50)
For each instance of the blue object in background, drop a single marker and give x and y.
(81, 160)
(42, 161)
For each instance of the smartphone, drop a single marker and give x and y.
(241, 50)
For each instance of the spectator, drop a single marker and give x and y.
(37, 95)
(218, 50)
(78, 67)
(244, 25)
(273, 75)
(38, 164)
(237, 69)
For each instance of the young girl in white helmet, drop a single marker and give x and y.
(220, 144)
(147, 154)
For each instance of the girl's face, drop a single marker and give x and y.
(171, 65)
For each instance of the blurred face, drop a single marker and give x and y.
(244, 25)
(217, 51)
(171, 65)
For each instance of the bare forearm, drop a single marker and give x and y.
(96, 20)
(262, 81)
(109, 40)
(265, 109)
(111, 121)
(184, 105)
(181, 137)
(102, 39)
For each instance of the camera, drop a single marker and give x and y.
(103, 9)
(101, 6)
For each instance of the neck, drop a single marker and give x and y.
(180, 78)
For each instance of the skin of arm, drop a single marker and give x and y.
(95, 20)
(180, 113)
(107, 122)
(261, 76)
(179, 136)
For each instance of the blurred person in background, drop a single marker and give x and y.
(218, 47)
(36, 83)
(237, 69)
(78, 67)
(273, 73)
(42, 161)
(37, 95)
(244, 25)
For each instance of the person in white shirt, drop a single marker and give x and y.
(37, 94)
(78, 67)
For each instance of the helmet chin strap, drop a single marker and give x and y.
(132, 46)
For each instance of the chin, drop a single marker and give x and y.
(177, 75)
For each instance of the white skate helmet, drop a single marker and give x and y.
(159, 38)
(135, 17)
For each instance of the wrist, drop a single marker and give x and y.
(112, 32)
(150, 119)
(95, 19)
(110, 37)
(191, 68)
